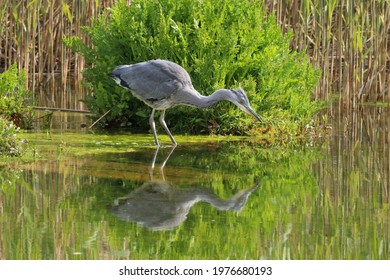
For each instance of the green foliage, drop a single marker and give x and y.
(14, 110)
(222, 44)
(16, 100)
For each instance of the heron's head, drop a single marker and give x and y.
(240, 98)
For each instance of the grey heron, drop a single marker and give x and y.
(162, 84)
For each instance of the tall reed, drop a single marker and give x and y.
(31, 36)
(349, 40)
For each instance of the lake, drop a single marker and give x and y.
(76, 194)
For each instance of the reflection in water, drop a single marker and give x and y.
(158, 205)
(326, 201)
(165, 160)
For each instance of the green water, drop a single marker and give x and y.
(78, 195)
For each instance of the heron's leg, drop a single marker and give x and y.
(164, 125)
(153, 127)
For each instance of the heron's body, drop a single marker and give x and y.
(162, 84)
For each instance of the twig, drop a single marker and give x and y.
(100, 118)
(61, 109)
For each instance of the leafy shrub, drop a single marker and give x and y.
(15, 99)
(15, 111)
(221, 43)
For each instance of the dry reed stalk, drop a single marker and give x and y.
(31, 36)
(348, 40)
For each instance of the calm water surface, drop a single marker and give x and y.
(76, 195)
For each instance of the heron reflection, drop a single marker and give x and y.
(159, 205)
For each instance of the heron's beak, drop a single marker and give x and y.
(250, 111)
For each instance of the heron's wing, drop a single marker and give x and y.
(152, 80)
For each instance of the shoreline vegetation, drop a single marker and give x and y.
(221, 43)
(348, 40)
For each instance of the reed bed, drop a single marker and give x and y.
(348, 40)
(31, 36)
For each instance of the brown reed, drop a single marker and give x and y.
(31, 36)
(348, 40)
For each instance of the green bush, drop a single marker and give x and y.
(15, 110)
(221, 43)
(16, 100)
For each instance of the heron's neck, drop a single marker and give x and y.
(195, 99)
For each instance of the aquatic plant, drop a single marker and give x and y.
(222, 44)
